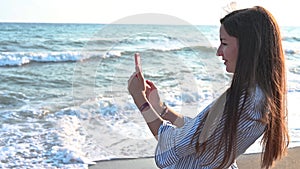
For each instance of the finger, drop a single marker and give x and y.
(148, 86)
(138, 69)
(140, 76)
(151, 84)
(137, 59)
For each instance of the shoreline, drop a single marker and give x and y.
(245, 161)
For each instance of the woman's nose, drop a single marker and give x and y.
(219, 52)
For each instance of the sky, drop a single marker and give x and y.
(197, 12)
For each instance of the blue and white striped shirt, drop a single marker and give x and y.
(175, 151)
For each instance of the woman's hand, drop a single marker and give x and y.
(137, 87)
(153, 96)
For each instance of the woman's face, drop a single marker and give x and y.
(228, 49)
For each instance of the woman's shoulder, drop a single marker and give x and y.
(257, 95)
(255, 104)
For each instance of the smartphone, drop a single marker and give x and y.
(137, 59)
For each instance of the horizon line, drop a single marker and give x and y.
(98, 23)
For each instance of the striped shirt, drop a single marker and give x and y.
(175, 150)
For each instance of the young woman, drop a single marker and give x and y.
(254, 104)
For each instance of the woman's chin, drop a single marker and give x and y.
(228, 70)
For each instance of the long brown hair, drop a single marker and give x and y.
(260, 62)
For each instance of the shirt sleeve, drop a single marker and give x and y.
(175, 143)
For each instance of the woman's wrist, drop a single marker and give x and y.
(158, 107)
(140, 100)
(144, 106)
(161, 108)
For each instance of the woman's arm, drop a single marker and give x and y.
(137, 89)
(172, 116)
(151, 117)
(164, 111)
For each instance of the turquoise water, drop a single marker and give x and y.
(64, 99)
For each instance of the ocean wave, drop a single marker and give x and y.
(9, 42)
(71, 43)
(291, 51)
(291, 39)
(205, 49)
(295, 70)
(142, 42)
(102, 41)
(22, 58)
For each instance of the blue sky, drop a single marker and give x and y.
(109, 11)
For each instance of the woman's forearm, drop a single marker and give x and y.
(169, 114)
(151, 117)
(174, 117)
(154, 116)
(153, 120)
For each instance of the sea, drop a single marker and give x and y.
(64, 101)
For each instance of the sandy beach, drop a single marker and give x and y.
(246, 161)
(252, 161)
